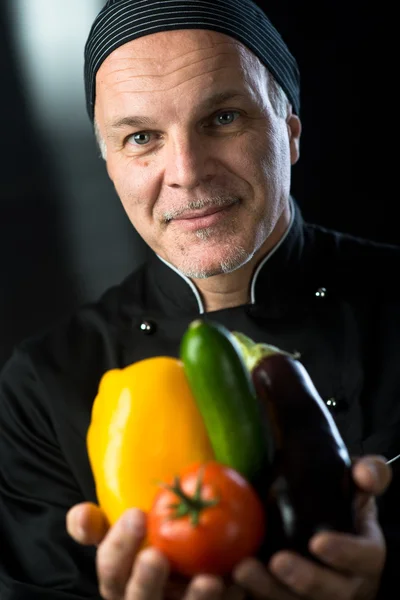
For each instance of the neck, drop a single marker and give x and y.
(233, 289)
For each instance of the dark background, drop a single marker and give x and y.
(64, 237)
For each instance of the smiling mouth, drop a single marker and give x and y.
(198, 214)
(193, 220)
(197, 210)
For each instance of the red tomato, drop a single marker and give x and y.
(207, 520)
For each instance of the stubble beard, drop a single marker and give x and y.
(235, 256)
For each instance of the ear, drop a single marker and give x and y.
(294, 131)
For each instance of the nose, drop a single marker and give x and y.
(188, 163)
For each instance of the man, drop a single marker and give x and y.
(196, 109)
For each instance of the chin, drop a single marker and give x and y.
(209, 265)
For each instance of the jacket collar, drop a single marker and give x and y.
(175, 295)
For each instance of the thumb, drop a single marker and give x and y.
(87, 524)
(372, 474)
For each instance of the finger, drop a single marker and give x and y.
(308, 579)
(117, 552)
(87, 524)
(205, 587)
(251, 575)
(362, 555)
(367, 520)
(372, 474)
(149, 576)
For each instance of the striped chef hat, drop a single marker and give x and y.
(121, 21)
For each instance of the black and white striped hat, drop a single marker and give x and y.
(121, 21)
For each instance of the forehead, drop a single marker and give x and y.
(175, 74)
(164, 56)
(165, 46)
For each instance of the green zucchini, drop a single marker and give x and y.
(223, 390)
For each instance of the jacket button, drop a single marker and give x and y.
(321, 292)
(147, 327)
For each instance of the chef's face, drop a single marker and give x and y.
(198, 156)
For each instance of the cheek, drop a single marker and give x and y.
(273, 162)
(136, 185)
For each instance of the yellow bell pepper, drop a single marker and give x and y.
(145, 428)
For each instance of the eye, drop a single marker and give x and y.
(139, 139)
(227, 117)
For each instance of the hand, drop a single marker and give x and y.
(127, 572)
(355, 563)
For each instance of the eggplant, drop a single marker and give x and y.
(309, 487)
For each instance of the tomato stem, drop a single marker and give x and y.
(190, 506)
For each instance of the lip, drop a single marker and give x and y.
(200, 219)
(197, 214)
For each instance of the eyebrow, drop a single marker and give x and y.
(208, 104)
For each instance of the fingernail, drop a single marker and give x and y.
(372, 470)
(133, 521)
(147, 566)
(285, 570)
(326, 551)
(75, 528)
(152, 564)
(81, 533)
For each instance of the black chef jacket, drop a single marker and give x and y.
(328, 296)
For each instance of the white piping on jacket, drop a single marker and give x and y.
(190, 284)
(256, 273)
(266, 259)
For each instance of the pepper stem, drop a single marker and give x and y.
(191, 506)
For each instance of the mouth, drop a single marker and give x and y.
(202, 218)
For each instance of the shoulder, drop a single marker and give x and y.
(351, 261)
(83, 344)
